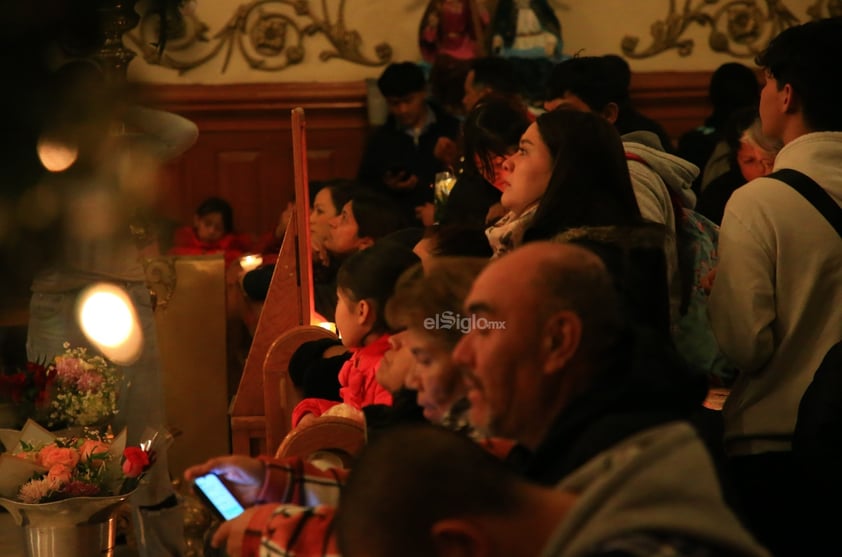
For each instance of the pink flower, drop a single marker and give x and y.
(59, 474)
(136, 461)
(51, 455)
(69, 369)
(92, 448)
(89, 381)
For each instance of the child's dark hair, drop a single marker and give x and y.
(371, 274)
(218, 205)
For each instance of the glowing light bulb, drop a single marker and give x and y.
(55, 155)
(108, 318)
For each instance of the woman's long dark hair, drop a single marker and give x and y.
(590, 183)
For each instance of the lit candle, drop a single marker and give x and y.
(251, 262)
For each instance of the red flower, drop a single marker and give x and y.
(136, 461)
(30, 385)
(80, 489)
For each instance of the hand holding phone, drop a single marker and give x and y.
(218, 497)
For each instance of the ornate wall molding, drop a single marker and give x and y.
(160, 280)
(268, 34)
(741, 28)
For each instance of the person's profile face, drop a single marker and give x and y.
(209, 227)
(498, 175)
(753, 161)
(529, 171)
(409, 110)
(434, 376)
(343, 232)
(500, 358)
(396, 364)
(348, 321)
(771, 108)
(323, 210)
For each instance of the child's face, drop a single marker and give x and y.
(349, 320)
(209, 227)
(343, 234)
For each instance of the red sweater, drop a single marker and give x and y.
(358, 386)
(185, 242)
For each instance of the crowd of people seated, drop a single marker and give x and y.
(532, 370)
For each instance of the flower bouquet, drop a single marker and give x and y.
(74, 389)
(42, 467)
(25, 391)
(85, 389)
(64, 488)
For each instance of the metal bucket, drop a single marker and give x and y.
(96, 540)
(77, 527)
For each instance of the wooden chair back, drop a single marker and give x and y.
(341, 437)
(280, 395)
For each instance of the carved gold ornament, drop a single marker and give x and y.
(741, 28)
(268, 34)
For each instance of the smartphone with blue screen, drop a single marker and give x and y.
(216, 494)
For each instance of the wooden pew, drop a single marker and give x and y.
(328, 436)
(190, 328)
(289, 304)
(280, 395)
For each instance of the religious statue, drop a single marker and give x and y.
(454, 28)
(526, 29)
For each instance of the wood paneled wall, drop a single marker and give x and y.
(678, 100)
(244, 149)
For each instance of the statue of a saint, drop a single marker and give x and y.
(526, 29)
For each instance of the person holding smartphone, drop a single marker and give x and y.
(399, 158)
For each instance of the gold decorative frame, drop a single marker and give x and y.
(160, 280)
(269, 35)
(741, 28)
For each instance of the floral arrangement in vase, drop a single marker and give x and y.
(74, 389)
(42, 467)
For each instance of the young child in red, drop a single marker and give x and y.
(211, 232)
(365, 281)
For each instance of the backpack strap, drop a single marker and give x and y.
(813, 193)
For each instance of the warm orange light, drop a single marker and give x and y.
(55, 155)
(109, 320)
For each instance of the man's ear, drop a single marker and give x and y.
(789, 100)
(457, 537)
(610, 112)
(562, 337)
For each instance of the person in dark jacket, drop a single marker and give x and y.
(398, 158)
